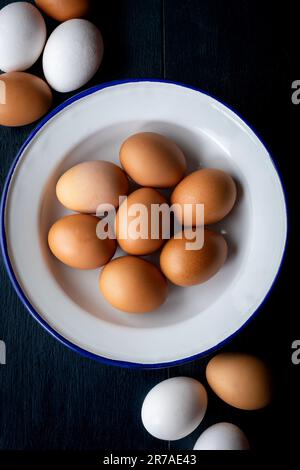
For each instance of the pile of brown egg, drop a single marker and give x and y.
(152, 161)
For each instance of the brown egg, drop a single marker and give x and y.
(73, 240)
(133, 285)
(63, 10)
(241, 380)
(213, 188)
(130, 226)
(87, 185)
(185, 267)
(24, 98)
(152, 160)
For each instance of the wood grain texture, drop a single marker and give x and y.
(236, 51)
(51, 398)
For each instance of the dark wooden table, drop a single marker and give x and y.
(240, 52)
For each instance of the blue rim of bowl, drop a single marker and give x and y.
(18, 288)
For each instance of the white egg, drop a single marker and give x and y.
(174, 408)
(22, 36)
(72, 55)
(222, 436)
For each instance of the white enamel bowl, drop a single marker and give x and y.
(67, 302)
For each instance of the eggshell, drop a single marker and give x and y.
(222, 436)
(213, 188)
(174, 408)
(22, 36)
(73, 240)
(152, 160)
(241, 380)
(126, 240)
(189, 267)
(133, 285)
(24, 98)
(85, 186)
(72, 55)
(63, 10)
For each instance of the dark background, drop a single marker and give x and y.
(244, 52)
